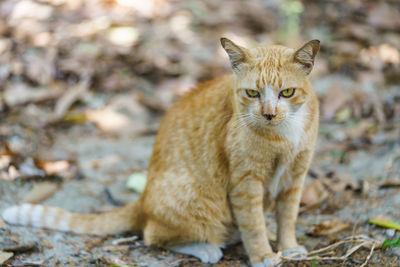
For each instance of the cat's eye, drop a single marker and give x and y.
(252, 93)
(287, 92)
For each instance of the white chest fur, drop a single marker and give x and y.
(274, 186)
(293, 127)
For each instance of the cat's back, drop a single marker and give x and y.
(192, 132)
(211, 95)
(188, 155)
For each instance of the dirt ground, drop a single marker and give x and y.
(84, 85)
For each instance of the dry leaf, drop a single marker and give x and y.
(314, 194)
(19, 248)
(150, 102)
(5, 256)
(11, 174)
(359, 130)
(17, 94)
(342, 182)
(390, 183)
(52, 167)
(40, 192)
(336, 98)
(71, 96)
(328, 228)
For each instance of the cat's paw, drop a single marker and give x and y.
(268, 262)
(299, 252)
(207, 253)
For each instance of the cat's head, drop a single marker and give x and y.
(271, 83)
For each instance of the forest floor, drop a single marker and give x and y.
(80, 106)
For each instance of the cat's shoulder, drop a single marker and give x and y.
(216, 85)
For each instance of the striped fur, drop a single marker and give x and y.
(219, 159)
(120, 220)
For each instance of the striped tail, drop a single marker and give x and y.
(127, 218)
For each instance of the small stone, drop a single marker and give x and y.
(390, 232)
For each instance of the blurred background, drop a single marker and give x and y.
(84, 84)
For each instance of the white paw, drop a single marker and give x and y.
(269, 262)
(207, 253)
(299, 252)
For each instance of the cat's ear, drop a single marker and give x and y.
(237, 54)
(306, 54)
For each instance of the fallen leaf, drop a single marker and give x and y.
(11, 174)
(358, 130)
(6, 151)
(71, 96)
(21, 247)
(52, 167)
(389, 183)
(108, 120)
(314, 194)
(150, 102)
(75, 117)
(391, 243)
(328, 227)
(342, 182)
(123, 36)
(384, 222)
(5, 161)
(136, 182)
(17, 94)
(343, 114)
(336, 98)
(5, 256)
(40, 192)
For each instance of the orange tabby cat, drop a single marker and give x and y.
(223, 153)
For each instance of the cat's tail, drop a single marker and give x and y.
(127, 218)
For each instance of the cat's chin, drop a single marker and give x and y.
(266, 127)
(272, 124)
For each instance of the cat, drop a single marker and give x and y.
(223, 154)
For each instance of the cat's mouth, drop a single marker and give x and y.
(272, 124)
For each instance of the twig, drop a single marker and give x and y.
(363, 241)
(369, 256)
(124, 240)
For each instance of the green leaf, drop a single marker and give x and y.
(314, 262)
(384, 222)
(136, 182)
(391, 243)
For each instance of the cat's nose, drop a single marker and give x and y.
(269, 116)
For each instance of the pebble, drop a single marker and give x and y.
(390, 232)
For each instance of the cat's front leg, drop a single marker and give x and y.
(287, 207)
(246, 197)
